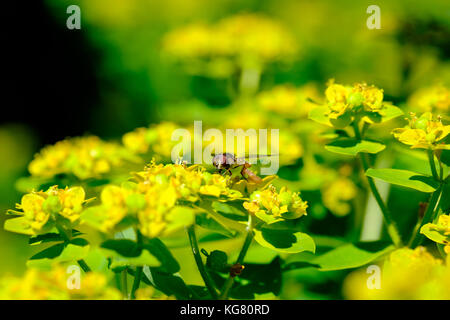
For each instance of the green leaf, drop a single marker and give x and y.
(217, 261)
(168, 283)
(50, 252)
(258, 279)
(117, 260)
(18, 225)
(43, 238)
(124, 247)
(59, 253)
(318, 114)
(207, 221)
(178, 218)
(404, 178)
(158, 249)
(352, 255)
(351, 146)
(429, 230)
(288, 241)
(390, 112)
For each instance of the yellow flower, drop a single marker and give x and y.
(431, 99)
(32, 206)
(424, 132)
(369, 96)
(240, 41)
(284, 204)
(52, 285)
(38, 207)
(72, 200)
(337, 194)
(336, 96)
(156, 139)
(84, 157)
(442, 228)
(289, 101)
(155, 196)
(406, 274)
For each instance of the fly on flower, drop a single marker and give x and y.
(227, 161)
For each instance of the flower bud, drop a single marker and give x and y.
(355, 98)
(136, 202)
(52, 205)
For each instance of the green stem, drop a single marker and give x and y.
(389, 221)
(137, 281)
(84, 265)
(240, 260)
(432, 165)
(198, 260)
(427, 218)
(125, 284)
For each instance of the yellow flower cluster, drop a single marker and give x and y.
(53, 285)
(289, 101)
(337, 194)
(431, 99)
(84, 157)
(407, 274)
(38, 207)
(270, 205)
(157, 139)
(341, 99)
(442, 228)
(240, 38)
(425, 132)
(156, 198)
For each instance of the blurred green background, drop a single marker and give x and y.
(111, 77)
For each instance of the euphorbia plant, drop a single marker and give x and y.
(156, 203)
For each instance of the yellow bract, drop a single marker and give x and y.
(155, 196)
(289, 101)
(336, 96)
(443, 228)
(156, 139)
(84, 157)
(407, 274)
(283, 204)
(240, 40)
(424, 132)
(359, 97)
(431, 99)
(337, 194)
(38, 207)
(53, 285)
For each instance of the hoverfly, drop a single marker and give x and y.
(227, 161)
